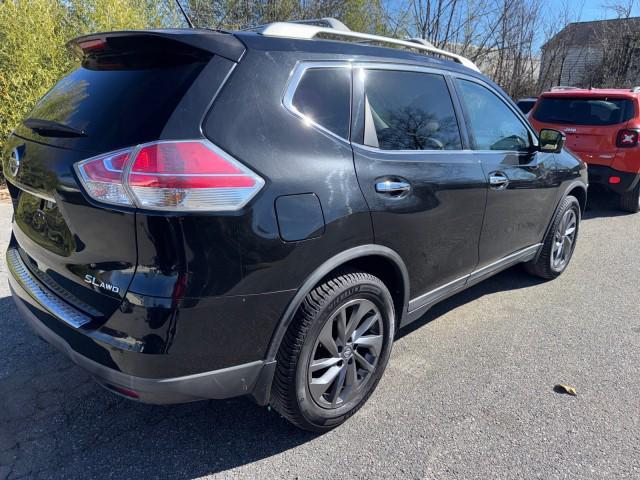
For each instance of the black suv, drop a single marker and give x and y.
(201, 214)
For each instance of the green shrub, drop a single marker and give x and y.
(33, 35)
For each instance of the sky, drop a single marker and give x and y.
(595, 9)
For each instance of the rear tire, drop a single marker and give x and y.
(560, 242)
(630, 201)
(334, 352)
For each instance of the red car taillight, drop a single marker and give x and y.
(189, 175)
(627, 138)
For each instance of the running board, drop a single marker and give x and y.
(419, 305)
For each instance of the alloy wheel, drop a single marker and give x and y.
(564, 240)
(346, 353)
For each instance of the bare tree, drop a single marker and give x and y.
(619, 42)
(498, 35)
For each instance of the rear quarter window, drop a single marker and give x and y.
(584, 111)
(323, 96)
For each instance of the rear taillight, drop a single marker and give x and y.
(627, 138)
(191, 175)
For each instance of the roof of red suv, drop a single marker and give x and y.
(594, 92)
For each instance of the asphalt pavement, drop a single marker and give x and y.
(468, 392)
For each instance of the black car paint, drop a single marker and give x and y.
(204, 292)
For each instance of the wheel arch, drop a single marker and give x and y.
(378, 260)
(577, 189)
(580, 192)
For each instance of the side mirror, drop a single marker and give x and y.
(551, 141)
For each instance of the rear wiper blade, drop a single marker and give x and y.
(49, 128)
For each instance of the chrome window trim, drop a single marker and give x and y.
(302, 66)
(414, 152)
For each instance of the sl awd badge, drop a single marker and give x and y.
(91, 280)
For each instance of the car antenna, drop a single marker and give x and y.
(184, 14)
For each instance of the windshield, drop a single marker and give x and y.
(584, 111)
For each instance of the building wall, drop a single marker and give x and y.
(569, 65)
(576, 55)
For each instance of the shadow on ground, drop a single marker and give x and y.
(55, 421)
(511, 279)
(603, 204)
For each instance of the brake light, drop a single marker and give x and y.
(614, 180)
(93, 45)
(627, 138)
(191, 175)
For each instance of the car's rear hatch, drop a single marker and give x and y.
(132, 88)
(591, 123)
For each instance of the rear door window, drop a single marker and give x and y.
(323, 96)
(492, 124)
(409, 111)
(583, 111)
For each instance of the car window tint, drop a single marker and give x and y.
(493, 125)
(324, 97)
(581, 111)
(410, 111)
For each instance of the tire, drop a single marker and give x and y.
(308, 359)
(546, 265)
(630, 201)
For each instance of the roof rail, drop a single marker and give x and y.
(563, 87)
(327, 22)
(421, 41)
(309, 32)
(635, 90)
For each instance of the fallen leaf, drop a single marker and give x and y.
(566, 389)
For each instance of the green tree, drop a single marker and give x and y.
(33, 38)
(32, 55)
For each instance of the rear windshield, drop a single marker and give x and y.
(114, 108)
(583, 111)
(525, 106)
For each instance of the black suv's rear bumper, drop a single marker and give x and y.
(94, 350)
(600, 175)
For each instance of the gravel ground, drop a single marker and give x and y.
(468, 392)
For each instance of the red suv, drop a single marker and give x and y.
(602, 127)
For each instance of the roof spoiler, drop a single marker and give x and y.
(198, 43)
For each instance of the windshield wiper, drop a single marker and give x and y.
(49, 128)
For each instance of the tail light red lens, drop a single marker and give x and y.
(192, 175)
(102, 177)
(627, 138)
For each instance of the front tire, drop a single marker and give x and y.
(560, 242)
(630, 201)
(334, 352)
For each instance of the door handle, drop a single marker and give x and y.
(498, 180)
(393, 187)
